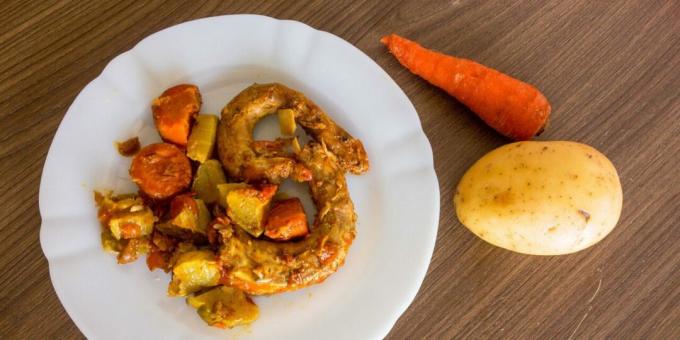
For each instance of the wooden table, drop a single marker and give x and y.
(611, 70)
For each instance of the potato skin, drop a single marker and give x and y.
(540, 198)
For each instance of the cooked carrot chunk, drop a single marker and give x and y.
(286, 220)
(174, 110)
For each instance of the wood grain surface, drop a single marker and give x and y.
(611, 70)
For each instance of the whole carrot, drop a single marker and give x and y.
(512, 107)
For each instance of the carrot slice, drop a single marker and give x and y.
(510, 106)
(161, 170)
(174, 110)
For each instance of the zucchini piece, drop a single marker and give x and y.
(224, 188)
(190, 219)
(133, 248)
(287, 121)
(224, 307)
(109, 243)
(295, 144)
(125, 216)
(246, 207)
(202, 138)
(193, 271)
(208, 176)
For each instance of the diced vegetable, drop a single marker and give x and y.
(129, 147)
(157, 259)
(174, 110)
(163, 242)
(295, 144)
(161, 170)
(180, 249)
(287, 122)
(194, 271)
(224, 307)
(202, 139)
(132, 224)
(208, 176)
(224, 188)
(286, 220)
(161, 252)
(246, 207)
(124, 216)
(109, 243)
(189, 218)
(132, 249)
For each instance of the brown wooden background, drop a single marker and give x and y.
(611, 70)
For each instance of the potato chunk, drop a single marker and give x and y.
(246, 207)
(202, 138)
(193, 271)
(125, 216)
(224, 188)
(224, 307)
(208, 176)
(189, 218)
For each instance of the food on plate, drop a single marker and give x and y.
(224, 190)
(128, 147)
(174, 111)
(225, 236)
(248, 205)
(189, 218)
(193, 271)
(541, 198)
(264, 267)
(208, 176)
(287, 121)
(130, 250)
(286, 220)
(202, 138)
(259, 266)
(126, 224)
(510, 106)
(224, 307)
(161, 170)
(125, 216)
(235, 135)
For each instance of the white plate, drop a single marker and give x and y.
(397, 201)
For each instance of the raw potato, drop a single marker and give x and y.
(540, 198)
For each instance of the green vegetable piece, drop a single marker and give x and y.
(224, 188)
(125, 216)
(246, 207)
(287, 122)
(224, 307)
(190, 221)
(208, 176)
(202, 138)
(193, 271)
(109, 243)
